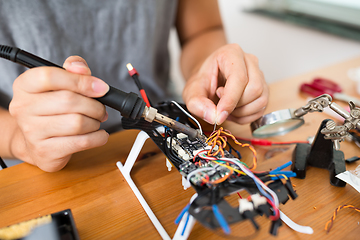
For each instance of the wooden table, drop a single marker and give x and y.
(104, 207)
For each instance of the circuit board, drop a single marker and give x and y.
(216, 176)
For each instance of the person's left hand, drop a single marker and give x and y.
(228, 85)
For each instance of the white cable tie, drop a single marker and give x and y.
(168, 165)
(295, 226)
(186, 184)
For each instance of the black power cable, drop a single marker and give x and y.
(2, 163)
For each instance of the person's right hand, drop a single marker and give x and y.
(56, 113)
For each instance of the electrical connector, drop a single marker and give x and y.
(260, 204)
(290, 189)
(275, 226)
(245, 205)
(246, 209)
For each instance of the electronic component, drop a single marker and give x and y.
(55, 226)
(215, 173)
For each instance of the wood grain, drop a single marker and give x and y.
(104, 207)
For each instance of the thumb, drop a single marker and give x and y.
(78, 65)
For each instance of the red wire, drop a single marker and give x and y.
(276, 210)
(145, 98)
(264, 142)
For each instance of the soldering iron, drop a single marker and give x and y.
(128, 104)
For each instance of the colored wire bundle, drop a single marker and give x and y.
(219, 138)
(330, 223)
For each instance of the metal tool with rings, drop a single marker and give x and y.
(283, 121)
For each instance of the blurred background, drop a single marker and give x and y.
(290, 37)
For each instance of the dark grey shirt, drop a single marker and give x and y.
(107, 34)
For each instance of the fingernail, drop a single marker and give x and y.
(99, 86)
(208, 117)
(218, 94)
(106, 116)
(222, 117)
(79, 64)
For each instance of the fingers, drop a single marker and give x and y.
(249, 112)
(234, 70)
(256, 84)
(65, 147)
(251, 102)
(44, 79)
(198, 95)
(63, 102)
(76, 64)
(235, 78)
(56, 113)
(206, 110)
(58, 126)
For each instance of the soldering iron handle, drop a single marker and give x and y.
(128, 104)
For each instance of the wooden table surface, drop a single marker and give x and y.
(104, 207)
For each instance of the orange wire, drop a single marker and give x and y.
(213, 140)
(331, 221)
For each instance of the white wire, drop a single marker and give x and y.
(189, 115)
(295, 226)
(250, 174)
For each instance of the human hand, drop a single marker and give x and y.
(56, 113)
(232, 79)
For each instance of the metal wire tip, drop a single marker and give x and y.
(129, 66)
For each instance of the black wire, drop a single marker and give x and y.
(137, 81)
(2, 163)
(232, 148)
(135, 77)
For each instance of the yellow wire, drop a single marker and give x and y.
(231, 168)
(285, 177)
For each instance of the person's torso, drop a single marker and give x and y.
(107, 34)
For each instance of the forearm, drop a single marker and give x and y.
(197, 49)
(200, 32)
(11, 141)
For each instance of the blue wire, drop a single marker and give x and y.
(178, 219)
(263, 192)
(186, 223)
(281, 172)
(288, 174)
(221, 219)
(281, 167)
(238, 153)
(280, 176)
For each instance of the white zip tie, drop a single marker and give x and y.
(295, 226)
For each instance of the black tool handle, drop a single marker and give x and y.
(128, 104)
